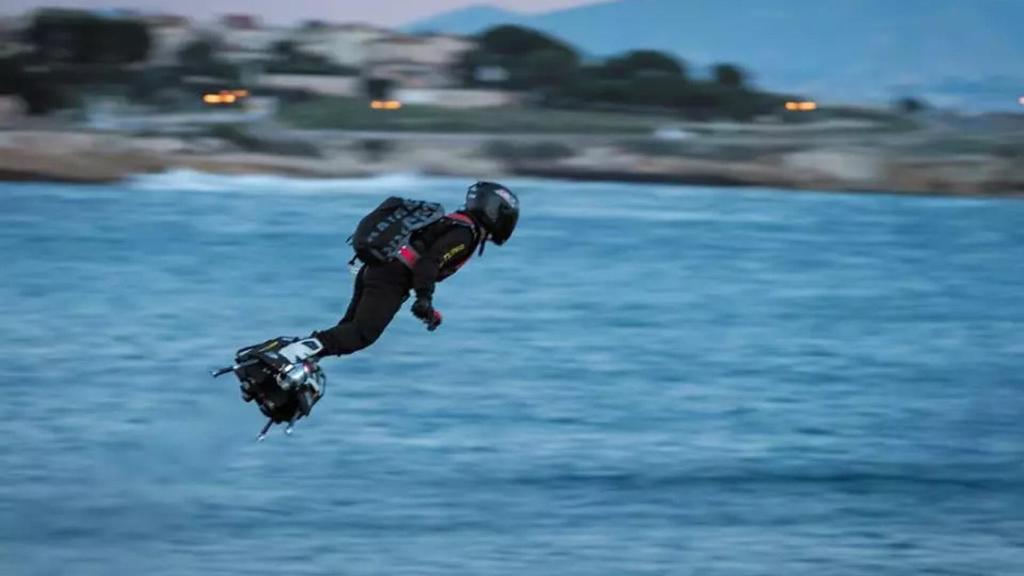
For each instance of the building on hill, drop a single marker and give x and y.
(12, 109)
(416, 61)
(420, 70)
(342, 44)
(11, 36)
(244, 39)
(240, 22)
(169, 33)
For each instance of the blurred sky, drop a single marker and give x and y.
(385, 12)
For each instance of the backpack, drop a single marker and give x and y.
(384, 231)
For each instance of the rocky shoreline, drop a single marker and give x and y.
(836, 165)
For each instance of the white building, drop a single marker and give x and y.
(12, 37)
(342, 44)
(169, 34)
(244, 39)
(416, 61)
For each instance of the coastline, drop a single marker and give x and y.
(841, 164)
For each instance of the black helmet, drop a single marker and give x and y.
(495, 208)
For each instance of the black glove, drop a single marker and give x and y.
(423, 309)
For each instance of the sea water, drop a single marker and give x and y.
(644, 380)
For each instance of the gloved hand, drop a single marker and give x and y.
(301, 350)
(423, 309)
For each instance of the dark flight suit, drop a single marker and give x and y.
(381, 289)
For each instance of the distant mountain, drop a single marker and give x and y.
(468, 21)
(843, 50)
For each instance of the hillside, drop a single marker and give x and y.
(955, 52)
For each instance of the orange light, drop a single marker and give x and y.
(225, 97)
(385, 104)
(806, 106)
(240, 93)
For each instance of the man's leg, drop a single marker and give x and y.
(384, 289)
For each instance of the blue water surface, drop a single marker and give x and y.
(645, 380)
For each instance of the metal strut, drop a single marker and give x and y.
(266, 427)
(222, 371)
(305, 403)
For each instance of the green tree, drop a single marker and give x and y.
(658, 91)
(76, 37)
(642, 63)
(288, 58)
(729, 76)
(284, 49)
(378, 88)
(200, 57)
(129, 40)
(12, 73)
(514, 41)
(467, 67)
(531, 60)
(198, 54)
(910, 105)
(546, 68)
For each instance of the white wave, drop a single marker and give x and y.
(260, 184)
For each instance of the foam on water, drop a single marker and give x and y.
(254, 184)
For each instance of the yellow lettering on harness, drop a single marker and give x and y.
(452, 253)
